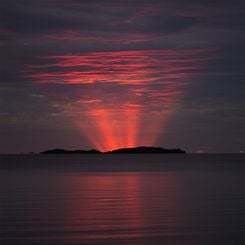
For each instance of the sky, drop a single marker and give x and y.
(80, 74)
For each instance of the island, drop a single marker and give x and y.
(133, 150)
(144, 149)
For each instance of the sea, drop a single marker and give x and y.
(145, 199)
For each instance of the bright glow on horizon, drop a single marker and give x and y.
(120, 99)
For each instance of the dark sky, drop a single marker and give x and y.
(119, 73)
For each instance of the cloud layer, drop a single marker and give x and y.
(66, 64)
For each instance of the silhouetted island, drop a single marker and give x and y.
(63, 151)
(135, 150)
(145, 149)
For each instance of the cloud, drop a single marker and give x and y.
(116, 95)
(134, 57)
(51, 19)
(122, 67)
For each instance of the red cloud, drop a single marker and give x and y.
(147, 87)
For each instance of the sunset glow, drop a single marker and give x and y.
(109, 74)
(127, 97)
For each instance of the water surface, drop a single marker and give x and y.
(122, 199)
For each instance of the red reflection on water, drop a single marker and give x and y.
(123, 206)
(122, 98)
(106, 206)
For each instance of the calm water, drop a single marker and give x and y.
(131, 200)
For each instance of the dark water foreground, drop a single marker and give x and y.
(130, 200)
